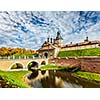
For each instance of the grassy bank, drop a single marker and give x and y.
(78, 53)
(88, 75)
(14, 78)
(54, 67)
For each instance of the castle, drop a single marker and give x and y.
(51, 47)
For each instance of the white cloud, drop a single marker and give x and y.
(17, 29)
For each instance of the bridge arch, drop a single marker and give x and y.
(32, 64)
(16, 65)
(7, 64)
(43, 63)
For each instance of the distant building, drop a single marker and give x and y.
(51, 47)
(86, 44)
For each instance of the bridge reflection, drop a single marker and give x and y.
(38, 79)
(34, 77)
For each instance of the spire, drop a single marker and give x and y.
(59, 36)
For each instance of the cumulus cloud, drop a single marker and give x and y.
(29, 29)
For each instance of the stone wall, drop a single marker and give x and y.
(90, 64)
(73, 62)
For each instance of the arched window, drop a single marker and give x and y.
(46, 55)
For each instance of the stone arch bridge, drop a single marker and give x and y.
(6, 64)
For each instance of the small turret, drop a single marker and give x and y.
(54, 41)
(47, 39)
(70, 42)
(86, 40)
(58, 36)
(58, 39)
(51, 40)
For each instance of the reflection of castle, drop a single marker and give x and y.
(51, 48)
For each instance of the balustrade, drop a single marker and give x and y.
(19, 57)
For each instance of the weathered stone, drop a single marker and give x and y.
(90, 64)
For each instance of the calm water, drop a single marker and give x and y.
(58, 79)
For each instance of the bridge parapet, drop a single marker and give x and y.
(19, 57)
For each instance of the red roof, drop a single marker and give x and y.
(81, 43)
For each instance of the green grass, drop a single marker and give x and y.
(54, 67)
(78, 53)
(88, 75)
(14, 78)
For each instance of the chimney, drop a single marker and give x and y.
(70, 42)
(47, 39)
(86, 40)
(51, 40)
(54, 41)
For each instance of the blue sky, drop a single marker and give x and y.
(29, 29)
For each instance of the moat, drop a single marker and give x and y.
(58, 79)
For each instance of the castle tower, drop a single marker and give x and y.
(58, 39)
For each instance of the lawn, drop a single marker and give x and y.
(88, 75)
(15, 78)
(78, 53)
(54, 67)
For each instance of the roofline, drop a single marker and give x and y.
(81, 44)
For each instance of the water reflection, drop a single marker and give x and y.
(43, 72)
(58, 79)
(33, 75)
